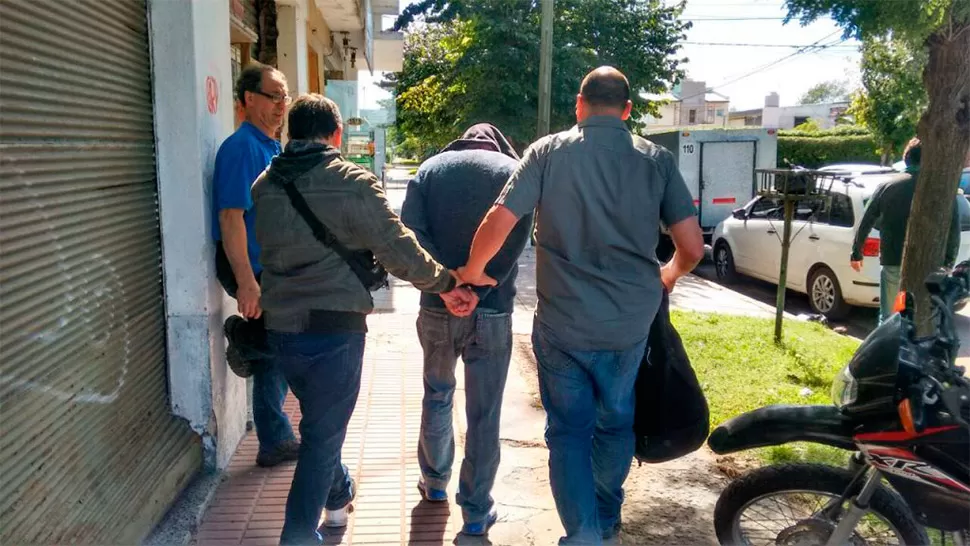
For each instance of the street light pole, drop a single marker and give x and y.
(545, 68)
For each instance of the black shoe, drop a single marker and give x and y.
(234, 356)
(285, 452)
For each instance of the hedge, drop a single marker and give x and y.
(813, 150)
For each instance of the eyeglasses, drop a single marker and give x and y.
(275, 97)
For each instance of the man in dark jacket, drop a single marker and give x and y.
(889, 210)
(445, 202)
(315, 306)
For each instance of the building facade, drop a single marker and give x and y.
(774, 116)
(689, 103)
(115, 391)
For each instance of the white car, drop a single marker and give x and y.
(749, 243)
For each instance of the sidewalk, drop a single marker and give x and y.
(670, 503)
(380, 451)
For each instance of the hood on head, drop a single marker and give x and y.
(483, 136)
(300, 156)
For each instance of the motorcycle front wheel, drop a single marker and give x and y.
(790, 505)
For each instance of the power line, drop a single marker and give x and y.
(732, 44)
(813, 46)
(693, 19)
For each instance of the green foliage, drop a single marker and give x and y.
(473, 61)
(893, 98)
(829, 91)
(911, 20)
(839, 130)
(809, 126)
(817, 149)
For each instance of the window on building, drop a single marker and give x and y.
(710, 114)
(800, 120)
(692, 116)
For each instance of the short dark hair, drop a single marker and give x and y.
(251, 79)
(605, 87)
(313, 117)
(913, 152)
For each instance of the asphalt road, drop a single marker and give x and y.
(858, 324)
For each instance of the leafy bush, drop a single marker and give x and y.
(813, 149)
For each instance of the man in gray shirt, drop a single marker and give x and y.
(600, 194)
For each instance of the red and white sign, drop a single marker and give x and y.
(211, 95)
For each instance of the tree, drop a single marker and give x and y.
(478, 60)
(830, 91)
(941, 28)
(893, 96)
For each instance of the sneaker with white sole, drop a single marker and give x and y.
(480, 528)
(431, 494)
(335, 519)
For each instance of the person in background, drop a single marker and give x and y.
(445, 203)
(889, 209)
(262, 93)
(316, 306)
(601, 194)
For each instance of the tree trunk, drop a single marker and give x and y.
(945, 133)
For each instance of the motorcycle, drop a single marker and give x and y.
(902, 407)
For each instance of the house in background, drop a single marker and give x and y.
(774, 116)
(688, 103)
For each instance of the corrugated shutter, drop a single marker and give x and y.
(89, 452)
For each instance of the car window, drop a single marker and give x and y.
(767, 208)
(836, 211)
(963, 204)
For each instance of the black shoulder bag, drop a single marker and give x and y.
(363, 263)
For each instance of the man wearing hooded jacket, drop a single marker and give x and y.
(315, 305)
(445, 203)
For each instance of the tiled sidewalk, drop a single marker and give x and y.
(380, 451)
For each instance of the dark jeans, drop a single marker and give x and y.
(484, 342)
(324, 372)
(269, 386)
(589, 401)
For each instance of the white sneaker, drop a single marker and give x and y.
(335, 519)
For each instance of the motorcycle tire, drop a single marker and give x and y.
(807, 477)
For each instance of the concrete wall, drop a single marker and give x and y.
(193, 115)
(291, 21)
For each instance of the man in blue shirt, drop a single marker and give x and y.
(262, 92)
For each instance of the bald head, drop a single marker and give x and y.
(605, 88)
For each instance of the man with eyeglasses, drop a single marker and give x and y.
(262, 92)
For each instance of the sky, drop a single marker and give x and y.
(757, 23)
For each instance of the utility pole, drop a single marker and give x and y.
(545, 68)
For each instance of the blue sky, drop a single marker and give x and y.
(754, 22)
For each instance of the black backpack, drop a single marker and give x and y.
(672, 418)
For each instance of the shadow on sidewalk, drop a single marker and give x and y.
(429, 522)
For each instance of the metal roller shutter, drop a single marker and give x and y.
(89, 452)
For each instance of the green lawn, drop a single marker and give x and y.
(741, 369)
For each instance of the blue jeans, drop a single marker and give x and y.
(589, 401)
(269, 392)
(888, 288)
(484, 342)
(324, 372)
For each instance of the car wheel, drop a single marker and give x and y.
(825, 294)
(724, 263)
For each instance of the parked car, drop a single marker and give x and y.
(749, 243)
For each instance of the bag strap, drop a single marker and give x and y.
(323, 234)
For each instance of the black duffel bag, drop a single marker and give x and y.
(672, 418)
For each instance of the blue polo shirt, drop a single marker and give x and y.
(240, 160)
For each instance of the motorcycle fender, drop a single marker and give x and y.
(777, 425)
